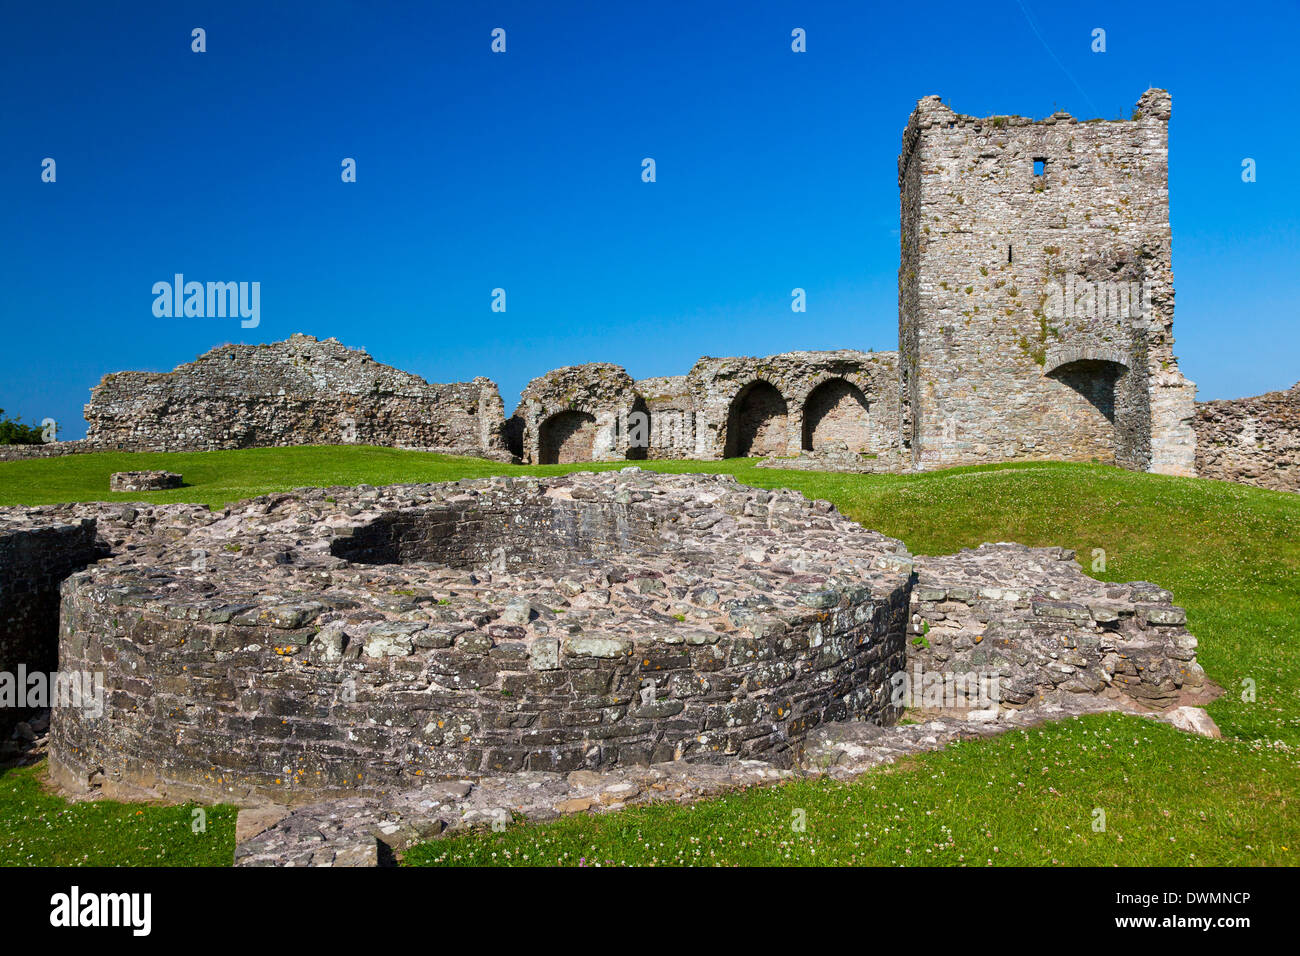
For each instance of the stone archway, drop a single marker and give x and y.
(757, 422)
(567, 437)
(836, 415)
(1102, 416)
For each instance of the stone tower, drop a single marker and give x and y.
(1035, 291)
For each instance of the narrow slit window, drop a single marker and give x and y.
(1040, 166)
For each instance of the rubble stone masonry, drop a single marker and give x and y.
(1251, 440)
(297, 392)
(1002, 219)
(336, 642)
(353, 640)
(36, 553)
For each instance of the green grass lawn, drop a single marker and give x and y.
(1026, 798)
(39, 829)
(1229, 553)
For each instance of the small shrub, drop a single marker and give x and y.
(14, 432)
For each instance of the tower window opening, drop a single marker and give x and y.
(1040, 166)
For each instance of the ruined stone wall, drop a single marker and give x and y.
(782, 404)
(36, 554)
(1251, 440)
(343, 641)
(843, 401)
(297, 392)
(909, 289)
(1031, 619)
(671, 406)
(302, 391)
(578, 413)
(996, 214)
(349, 640)
(42, 546)
(582, 702)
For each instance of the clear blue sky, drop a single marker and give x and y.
(523, 171)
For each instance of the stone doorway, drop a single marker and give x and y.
(836, 416)
(757, 422)
(1102, 414)
(567, 437)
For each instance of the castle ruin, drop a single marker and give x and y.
(1004, 219)
(295, 392)
(582, 639)
(1035, 318)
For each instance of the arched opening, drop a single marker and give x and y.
(567, 437)
(639, 431)
(1096, 418)
(1094, 381)
(836, 416)
(513, 435)
(757, 422)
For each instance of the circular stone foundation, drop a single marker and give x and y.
(360, 640)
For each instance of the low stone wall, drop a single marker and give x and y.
(363, 642)
(840, 460)
(339, 641)
(49, 450)
(35, 555)
(1252, 440)
(128, 481)
(836, 410)
(41, 546)
(1029, 618)
(360, 831)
